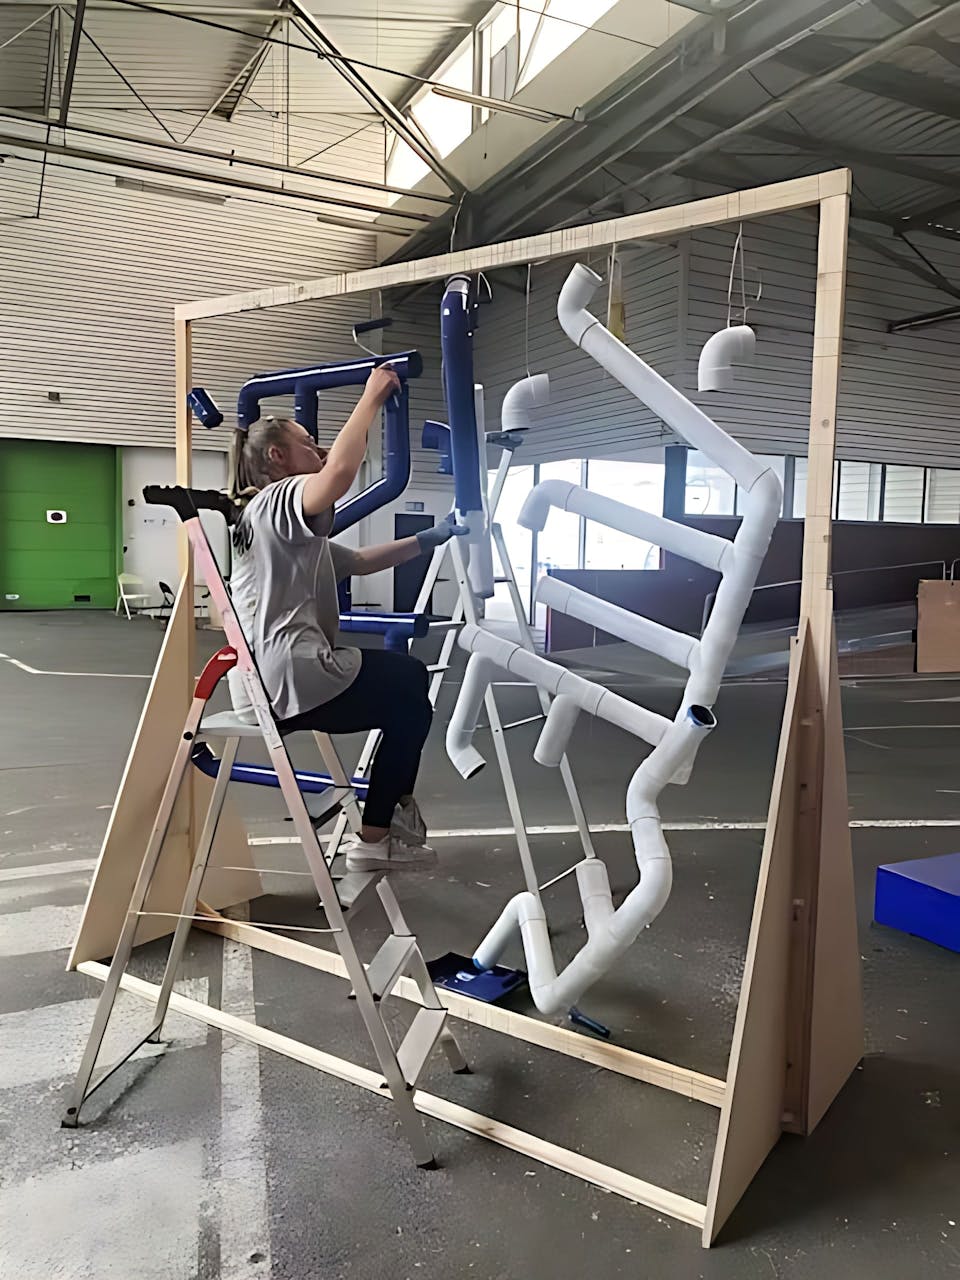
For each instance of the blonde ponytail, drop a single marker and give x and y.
(248, 462)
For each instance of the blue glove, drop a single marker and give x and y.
(428, 539)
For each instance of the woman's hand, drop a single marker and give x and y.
(428, 539)
(381, 385)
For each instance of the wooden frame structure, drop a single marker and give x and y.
(798, 1032)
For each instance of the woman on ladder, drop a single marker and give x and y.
(284, 589)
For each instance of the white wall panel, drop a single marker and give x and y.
(589, 413)
(899, 393)
(87, 292)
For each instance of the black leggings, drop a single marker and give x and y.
(389, 694)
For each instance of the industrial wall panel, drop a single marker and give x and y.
(87, 292)
(899, 392)
(589, 413)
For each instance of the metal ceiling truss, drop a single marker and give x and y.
(231, 159)
(16, 142)
(687, 70)
(71, 68)
(806, 88)
(841, 152)
(404, 128)
(909, 88)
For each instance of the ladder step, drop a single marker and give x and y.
(418, 1043)
(387, 965)
(354, 886)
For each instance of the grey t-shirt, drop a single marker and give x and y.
(284, 589)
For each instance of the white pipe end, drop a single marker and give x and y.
(733, 345)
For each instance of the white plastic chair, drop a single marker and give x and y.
(126, 597)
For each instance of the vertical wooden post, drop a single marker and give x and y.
(799, 1026)
(825, 1003)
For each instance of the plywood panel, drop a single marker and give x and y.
(135, 808)
(750, 1119)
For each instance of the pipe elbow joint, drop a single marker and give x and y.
(528, 393)
(543, 496)
(733, 345)
(578, 289)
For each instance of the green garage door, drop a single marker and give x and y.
(58, 525)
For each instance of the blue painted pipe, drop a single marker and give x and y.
(304, 383)
(204, 408)
(456, 340)
(410, 626)
(263, 776)
(436, 436)
(396, 465)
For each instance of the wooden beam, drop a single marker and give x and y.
(527, 1144)
(611, 1057)
(755, 202)
(827, 338)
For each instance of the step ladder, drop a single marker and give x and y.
(399, 956)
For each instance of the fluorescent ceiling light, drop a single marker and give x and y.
(498, 104)
(160, 189)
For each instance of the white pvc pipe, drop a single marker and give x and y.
(693, 544)
(734, 345)
(558, 727)
(673, 646)
(479, 553)
(464, 756)
(610, 932)
(636, 375)
(555, 679)
(528, 393)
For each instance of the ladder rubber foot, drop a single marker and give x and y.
(70, 1122)
(430, 1164)
(463, 1071)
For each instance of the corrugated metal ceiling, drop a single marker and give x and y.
(180, 63)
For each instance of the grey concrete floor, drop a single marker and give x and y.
(203, 1162)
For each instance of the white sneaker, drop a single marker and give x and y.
(388, 854)
(408, 824)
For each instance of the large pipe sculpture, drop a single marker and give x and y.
(675, 743)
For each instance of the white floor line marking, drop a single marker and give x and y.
(46, 1043)
(874, 728)
(106, 675)
(244, 1218)
(41, 870)
(39, 929)
(135, 1215)
(600, 828)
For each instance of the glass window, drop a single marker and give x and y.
(800, 486)
(859, 496)
(404, 168)
(943, 496)
(519, 541)
(446, 121)
(558, 546)
(563, 22)
(903, 494)
(710, 491)
(638, 485)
